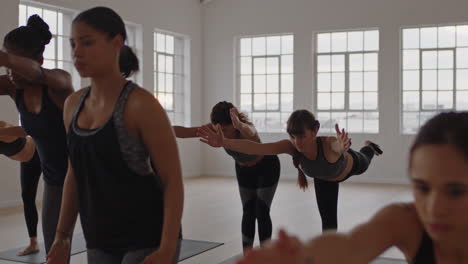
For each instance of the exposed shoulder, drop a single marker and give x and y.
(403, 220)
(71, 103)
(141, 99)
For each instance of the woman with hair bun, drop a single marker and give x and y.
(39, 95)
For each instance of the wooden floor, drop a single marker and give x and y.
(213, 212)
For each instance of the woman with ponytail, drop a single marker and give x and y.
(124, 177)
(39, 95)
(329, 160)
(257, 175)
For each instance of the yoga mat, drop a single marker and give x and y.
(189, 248)
(233, 259)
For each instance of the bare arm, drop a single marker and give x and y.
(216, 139)
(185, 132)
(254, 148)
(165, 157)
(69, 208)
(5, 85)
(58, 81)
(12, 131)
(394, 225)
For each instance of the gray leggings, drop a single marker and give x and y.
(51, 203)
(97, 256)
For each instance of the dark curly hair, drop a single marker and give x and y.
(30, 39)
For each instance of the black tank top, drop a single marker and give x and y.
(120, 209)
(425, 254)
(48, 132)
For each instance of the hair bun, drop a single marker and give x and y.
(36, 23)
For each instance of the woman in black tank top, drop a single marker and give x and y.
(124, 177)
(432, 229)
(39, 95)
(257, 175)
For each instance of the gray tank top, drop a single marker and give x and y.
(240, 157)
(133, 150)
(321, 168)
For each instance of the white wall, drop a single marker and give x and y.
(180, 16)
(224, 20)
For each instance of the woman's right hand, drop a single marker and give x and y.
(59, 252)
(287, 249)
(213, 137)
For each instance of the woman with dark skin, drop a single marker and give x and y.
(257, 175)
(124, 177)
(39, 95)
(329, 160)
(431, 229)
(23, 149)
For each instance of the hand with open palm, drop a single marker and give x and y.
(211, 135)
(343, 140)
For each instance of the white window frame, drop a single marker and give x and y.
(59, 58)
(424, 114)
(283, 114)
(347, 110)
(180, 112)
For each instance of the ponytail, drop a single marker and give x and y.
(128, 62)
(301, 178)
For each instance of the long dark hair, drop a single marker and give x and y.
(220, 114)
(30, 39)
(298, 122)
(107, 21)
(445, 128)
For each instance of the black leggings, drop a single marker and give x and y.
(30, 174)
(257, 186)
(326, 192)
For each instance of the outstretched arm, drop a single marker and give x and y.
(215, 138)
(395, 225)
(185, 132)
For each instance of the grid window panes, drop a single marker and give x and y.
(434, 73)
(57, 53)
(347, 67)
(169, 74)
(266, 80)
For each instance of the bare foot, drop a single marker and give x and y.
(375, 147)
(31, 249)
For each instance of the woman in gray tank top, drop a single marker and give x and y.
(329, 160)
(257, 175)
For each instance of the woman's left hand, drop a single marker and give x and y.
(159, 256)
(287, 249)
(343, 140)
(236, 122)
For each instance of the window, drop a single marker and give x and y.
(266, 80)
(434, 73)
(347, 67)
(57, 53)
(170, 78)
(134, 41)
